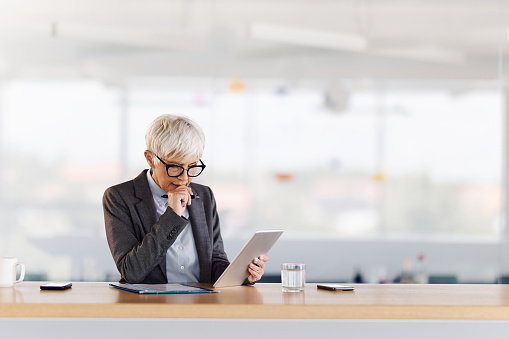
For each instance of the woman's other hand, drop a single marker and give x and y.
(255, 268)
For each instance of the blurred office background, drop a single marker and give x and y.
(373, 132)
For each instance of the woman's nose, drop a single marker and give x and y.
(183, 176)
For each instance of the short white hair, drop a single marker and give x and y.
(175, 137)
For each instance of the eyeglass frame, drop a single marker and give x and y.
(183, 169)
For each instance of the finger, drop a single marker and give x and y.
(189, 194)
(258, 271)
(254, 275)
(175, 203)
(259, 263)
(185, 201)
(251, 276)
(259, 276)
(183, 195)
(182, 199)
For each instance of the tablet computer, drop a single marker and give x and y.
(259, 244)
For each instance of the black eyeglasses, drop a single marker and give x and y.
(177, 170)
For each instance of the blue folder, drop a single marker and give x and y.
(162, 288)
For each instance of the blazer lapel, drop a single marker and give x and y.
(201, 237)
(146, 209)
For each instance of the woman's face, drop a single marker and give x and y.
(161, 177)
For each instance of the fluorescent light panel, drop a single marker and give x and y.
(309, 37)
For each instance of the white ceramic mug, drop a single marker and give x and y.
(8, 272)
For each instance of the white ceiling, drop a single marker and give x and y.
(118, 40)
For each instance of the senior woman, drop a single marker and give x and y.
(160, 226)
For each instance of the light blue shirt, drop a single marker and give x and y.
(181, 258)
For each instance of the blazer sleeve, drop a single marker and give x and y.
(136, 255)
(219, 258)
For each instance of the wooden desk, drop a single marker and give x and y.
(262, 301)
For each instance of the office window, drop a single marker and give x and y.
(443, 159)
(59, 149)
(390, 162)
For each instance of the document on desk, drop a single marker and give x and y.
(162, 288)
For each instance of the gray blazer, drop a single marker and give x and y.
(138, 241)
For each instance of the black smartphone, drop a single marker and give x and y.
(56, 286)
(335, 287)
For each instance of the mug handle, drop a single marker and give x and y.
(22, 275)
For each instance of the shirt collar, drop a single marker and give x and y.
(157, 191)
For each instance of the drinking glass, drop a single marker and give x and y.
(293, 277)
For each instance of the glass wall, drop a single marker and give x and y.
(59, 148)
(379, 160)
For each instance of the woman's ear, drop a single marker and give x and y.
(148, 156)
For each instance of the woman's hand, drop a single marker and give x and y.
(179, 198)
(255, 268)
